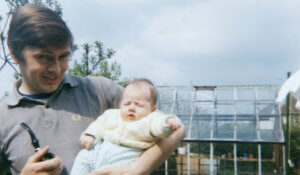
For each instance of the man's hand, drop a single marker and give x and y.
(173, 123)
(35, 165)
(115, 170)
(87, 141)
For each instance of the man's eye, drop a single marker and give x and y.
(65, 57)
(44, 57)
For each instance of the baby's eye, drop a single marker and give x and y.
(139, 104)
(126, 104)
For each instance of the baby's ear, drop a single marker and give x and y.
(154, 108)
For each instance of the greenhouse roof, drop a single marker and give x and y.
(225, 113)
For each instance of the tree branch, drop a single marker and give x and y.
(3, 38)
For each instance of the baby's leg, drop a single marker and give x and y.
(113, 154)
(85, 160)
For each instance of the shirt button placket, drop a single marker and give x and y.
(47, 120)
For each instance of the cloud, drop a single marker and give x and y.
(216, 42)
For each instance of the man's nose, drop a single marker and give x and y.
(54, 66)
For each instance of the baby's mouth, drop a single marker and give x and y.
(131, 115)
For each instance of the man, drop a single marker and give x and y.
(56, 106)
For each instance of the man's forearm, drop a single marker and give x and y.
(158, 153)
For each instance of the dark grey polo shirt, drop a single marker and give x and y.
(58, 122)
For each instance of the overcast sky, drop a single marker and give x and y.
(184, 42)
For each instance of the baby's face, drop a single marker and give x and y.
(136, 103)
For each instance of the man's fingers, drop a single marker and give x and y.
(177, 125)
(36, 164)
(38, 156)
(50, 164)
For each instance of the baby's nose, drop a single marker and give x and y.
(131, 108)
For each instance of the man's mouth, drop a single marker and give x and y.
(51, 80)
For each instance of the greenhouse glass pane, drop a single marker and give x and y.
(267, 109)
(165, 94)
(243, 93)
(246, 127)
(201, 127)
(185, 95)
(165, 107)
(225, 109)
(268, 159)
(204, 95)
(183, 108)
(224, 153)
(270, 129)
(224, 94)
(223, 128)
(245, 108)
(203, 108)
(266, 93)
(247, 158)
(211, 112)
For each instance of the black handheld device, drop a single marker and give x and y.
(35, 142)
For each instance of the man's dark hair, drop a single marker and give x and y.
(38, 27)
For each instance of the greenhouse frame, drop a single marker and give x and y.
(241, 120)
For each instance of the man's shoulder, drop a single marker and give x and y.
(107, 91)
(4, 103)
(101, 81)
(112, 111)
(5, 113)
(98, 81)
(105, 85)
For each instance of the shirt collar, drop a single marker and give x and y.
(70, 80)
(15, 98)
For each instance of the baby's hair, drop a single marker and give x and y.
(145, 81)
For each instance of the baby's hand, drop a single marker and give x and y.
(87, 141)
(173, 123)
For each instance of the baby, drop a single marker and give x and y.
(126, 132)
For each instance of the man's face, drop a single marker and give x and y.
(43, 69)
(136, 103)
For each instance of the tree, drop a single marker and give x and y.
(96, 61)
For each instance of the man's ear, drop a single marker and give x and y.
(13, 56)
(154, 108)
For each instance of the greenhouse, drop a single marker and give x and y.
(229, 129)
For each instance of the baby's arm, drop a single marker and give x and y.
(162, 125)
(93, 132)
